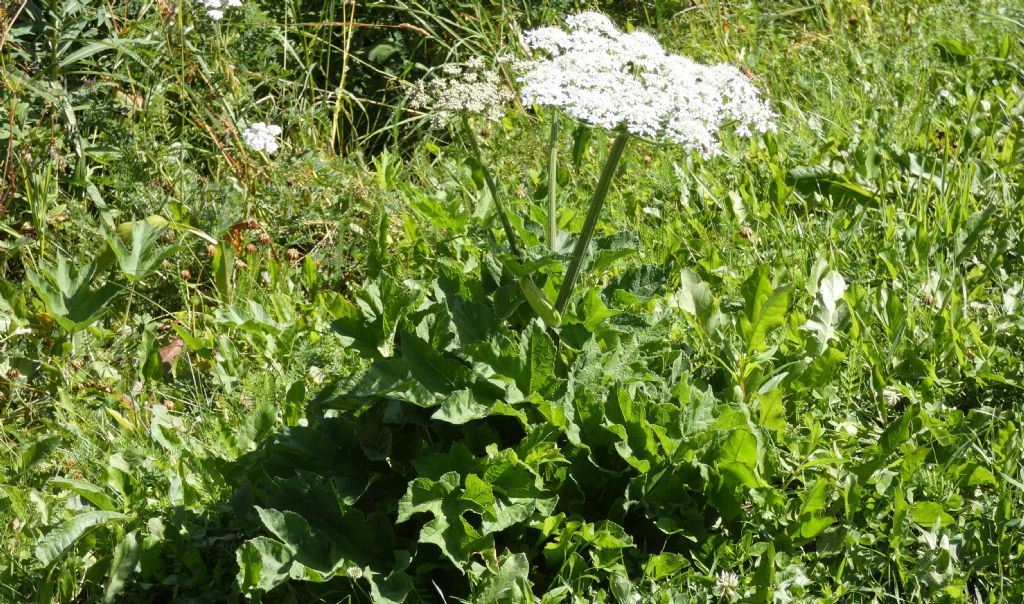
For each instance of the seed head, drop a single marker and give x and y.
(292, 254)
(250, 248)
(186, 275)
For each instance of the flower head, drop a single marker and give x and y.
(469, 87)
(726, 584)
(262, 137)
(215, 8)
(891, 395)
(611, 79)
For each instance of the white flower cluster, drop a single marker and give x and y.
(262, 137)
(612, 79)
(726, 584)
(215, 8)
(469, 87)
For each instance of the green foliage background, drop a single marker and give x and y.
(312, 376)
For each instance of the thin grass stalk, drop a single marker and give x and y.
(474, 146)
(579, 252)
(552, 182)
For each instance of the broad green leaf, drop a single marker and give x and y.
(694, 297)
(830, 292)
(665, 564)
(927, 513)
(223, 271)
(94, 494)
(764, 575)
(812, 526)
(68, 295)
(967, 238)
(263, 564)
(456, 537)
(542, 356)
(738, 458)
(126, 557)
(37, 451)
(137, 254)
(815, 499)
(740, 447)
(461, 407)
(59, 540)
(771, 411)
(509, 582)
(390, 589)
(764, 308)
(623, 590)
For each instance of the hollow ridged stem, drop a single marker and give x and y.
(552, 182)
(579, 252)
(491, 187)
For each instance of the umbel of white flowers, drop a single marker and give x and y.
(262, 137)
(468, 87)
(215, 8)
(611, 79)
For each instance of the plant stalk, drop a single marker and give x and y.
(491, 187)
(579, 252)
(552, 182)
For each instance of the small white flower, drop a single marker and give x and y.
(891, 395)
(986, 106)
(612, 79)
(727, 584)
(215, 8)
(354, 572)
(262, 137)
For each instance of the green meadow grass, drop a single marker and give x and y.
(312, 376)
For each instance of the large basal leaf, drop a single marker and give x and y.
(58, 541)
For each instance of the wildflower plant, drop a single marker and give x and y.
(627, 84)
(462, 90)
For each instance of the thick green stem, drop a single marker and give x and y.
(579, 252)
(491, 187)
(552, 182)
